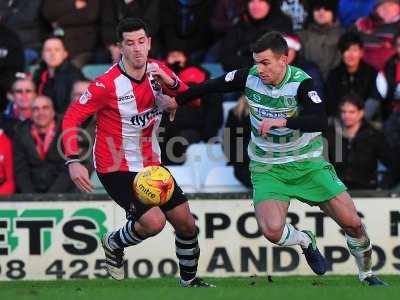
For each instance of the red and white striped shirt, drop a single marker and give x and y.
(126, 122)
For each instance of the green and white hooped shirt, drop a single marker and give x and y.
(281, 145)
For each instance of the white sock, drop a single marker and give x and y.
(361, 249)
(291, 236)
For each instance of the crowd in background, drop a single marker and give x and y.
(351, 48)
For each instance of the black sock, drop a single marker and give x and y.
(188, 253)
(125, 237)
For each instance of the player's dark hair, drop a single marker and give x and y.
(273, 41)
(131, 24)
(349, 39)
(354, 99)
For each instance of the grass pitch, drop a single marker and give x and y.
(249, 288)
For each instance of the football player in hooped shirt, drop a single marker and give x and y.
(128, 101)
(287, 117)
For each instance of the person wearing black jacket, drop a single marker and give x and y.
(24, 17)
(238, 127)
(57, 75)
(352, 75)
(355, 147)
(113, 11)
(38, 164)
(76, 21)
(11, 61)
(185, 24)
(262, 16)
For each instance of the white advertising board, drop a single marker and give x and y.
(50, 240)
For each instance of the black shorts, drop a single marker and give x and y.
(119, 185)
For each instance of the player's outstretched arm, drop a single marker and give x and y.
(234, 81)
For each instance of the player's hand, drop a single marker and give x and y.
(80, 176)
(171, 107)
(159, 74)
(268, 123)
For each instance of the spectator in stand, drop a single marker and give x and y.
(23, 16)
(351, 10)
(185, 24)
(7, 183)
(388, 92)
(56, 75)
(309, 67)
(355, 147)
(113, 11)
(236, 139)
(388, 87)
(321, 36)
(19, 109)
(226, 14)
(261, 16)
(297, 10)
(76, 21)
(194, 124)
(38, 164)
(377, 32)
(352, 75)
(11, 61)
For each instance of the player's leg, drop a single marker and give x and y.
(271, 218)
(271, 214)
(341, 208)
(142, 222)
(187, 247)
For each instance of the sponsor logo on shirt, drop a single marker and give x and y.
(142, 120)
(126, 98)
(266, 113)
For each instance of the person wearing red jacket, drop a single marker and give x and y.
(7, 182)
(128, 101)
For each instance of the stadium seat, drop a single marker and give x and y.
(215, 70)
(222, 180)
(201, 158)
(93, 71)
(98, 187)
(185, 177)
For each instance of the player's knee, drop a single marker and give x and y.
(273, 233)
(155, 225)
(187, 229)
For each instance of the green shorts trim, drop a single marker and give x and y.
(312, 181)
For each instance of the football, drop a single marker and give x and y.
(154, 185)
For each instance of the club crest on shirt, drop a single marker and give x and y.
(85, 97)
(314, 97)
